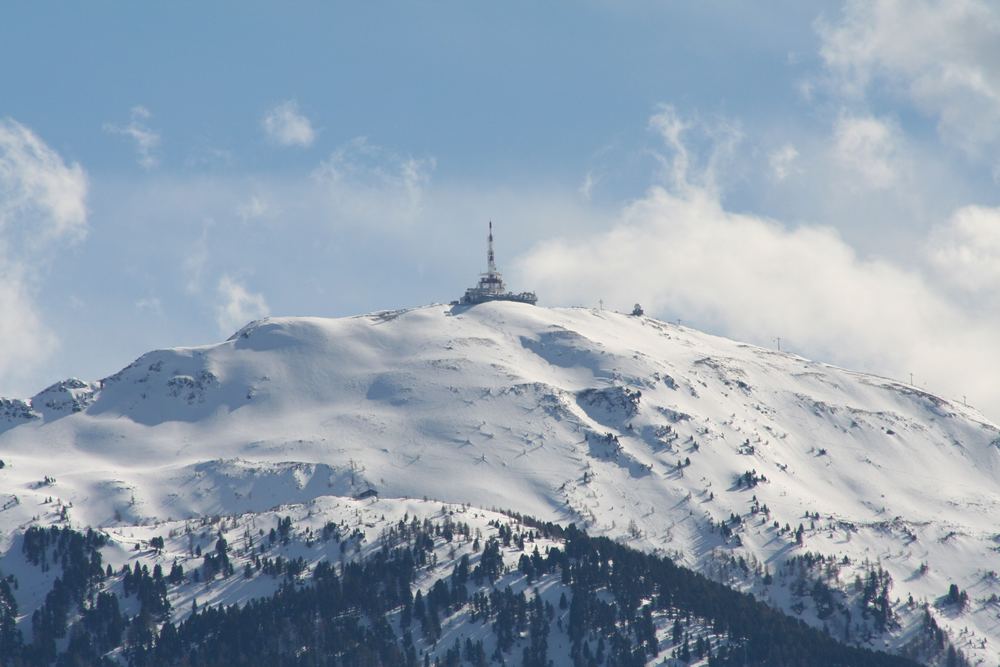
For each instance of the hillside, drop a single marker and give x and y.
(344, 582)
(666, 438)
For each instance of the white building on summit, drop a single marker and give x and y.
(491, 287)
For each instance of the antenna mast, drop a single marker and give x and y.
(491, 287)
(491, 265)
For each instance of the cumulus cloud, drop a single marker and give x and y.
(867, 148)
(41, 197)
(285, 125)
(42, 202)
(679, 251)
(237, 305)
(145, 140)
(966, 250)
(943, 55)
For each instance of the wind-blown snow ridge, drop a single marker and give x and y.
(636, 428)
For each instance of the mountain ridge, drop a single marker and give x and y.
(637, 429)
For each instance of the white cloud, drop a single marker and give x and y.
(590, 180)
(966, 251)
(867, 148)
(41, 197)
(372, 185)
(237, 305)
(43, 201)
(253, 208)
(145, 139)
(26, 340)
(782, 162)
(686, 171)
(285, 125)
(680, 252)
(942, 55)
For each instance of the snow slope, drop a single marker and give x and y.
(629, 426)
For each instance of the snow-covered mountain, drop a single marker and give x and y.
(669, 439)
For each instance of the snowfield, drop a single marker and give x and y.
(645, 431)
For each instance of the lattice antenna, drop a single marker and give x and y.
(491, 265)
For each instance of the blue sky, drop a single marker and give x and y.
(824, 172)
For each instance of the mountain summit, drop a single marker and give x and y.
(708, 450)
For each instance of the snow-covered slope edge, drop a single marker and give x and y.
(638, 429)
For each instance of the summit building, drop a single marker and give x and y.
(491, 286)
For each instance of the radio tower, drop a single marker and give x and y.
(491, 287)
(491, 265)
